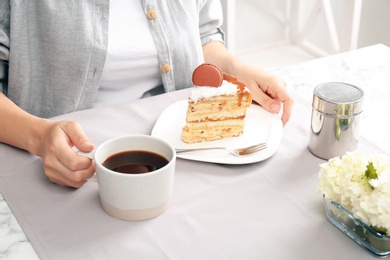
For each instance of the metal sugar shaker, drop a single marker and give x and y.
(335, 119)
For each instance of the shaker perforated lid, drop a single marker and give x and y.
(338, 99)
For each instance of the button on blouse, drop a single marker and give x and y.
(152, 14)
(166, 68)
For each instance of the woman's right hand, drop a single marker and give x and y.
(62, 165)
(51, 140)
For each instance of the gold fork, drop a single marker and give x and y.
(237, 152)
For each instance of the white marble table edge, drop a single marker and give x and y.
(13, 242)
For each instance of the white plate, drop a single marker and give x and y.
(260, 126)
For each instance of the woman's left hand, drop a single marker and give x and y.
(266, 89)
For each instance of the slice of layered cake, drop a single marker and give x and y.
(216, 106)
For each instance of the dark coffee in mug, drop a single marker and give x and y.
(135, 162)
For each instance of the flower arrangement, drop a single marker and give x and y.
(361, 184)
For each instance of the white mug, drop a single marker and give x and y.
(130, 196)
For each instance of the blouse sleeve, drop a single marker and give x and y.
(4, 44)
(210, 21)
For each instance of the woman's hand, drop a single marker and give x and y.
(266, 89)
(62, 165)
(53, 141)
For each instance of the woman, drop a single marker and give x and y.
(64, 56)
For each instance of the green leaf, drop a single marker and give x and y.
(371, 172)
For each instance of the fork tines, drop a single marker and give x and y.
(253, 148)
(257, 147)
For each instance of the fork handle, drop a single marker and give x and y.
(197, 149)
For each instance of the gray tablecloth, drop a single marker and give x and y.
(265, 210)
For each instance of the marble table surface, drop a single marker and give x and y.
(368, 68)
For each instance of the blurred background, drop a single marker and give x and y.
(274, 33)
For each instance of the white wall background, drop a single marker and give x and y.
(375, 23)
(256, 27)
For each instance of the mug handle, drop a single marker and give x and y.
(90, 156)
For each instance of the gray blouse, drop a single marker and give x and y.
(52, 53)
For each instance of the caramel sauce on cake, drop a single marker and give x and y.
(215, 112)
(240, 85)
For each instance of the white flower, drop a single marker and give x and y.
(344, 180)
